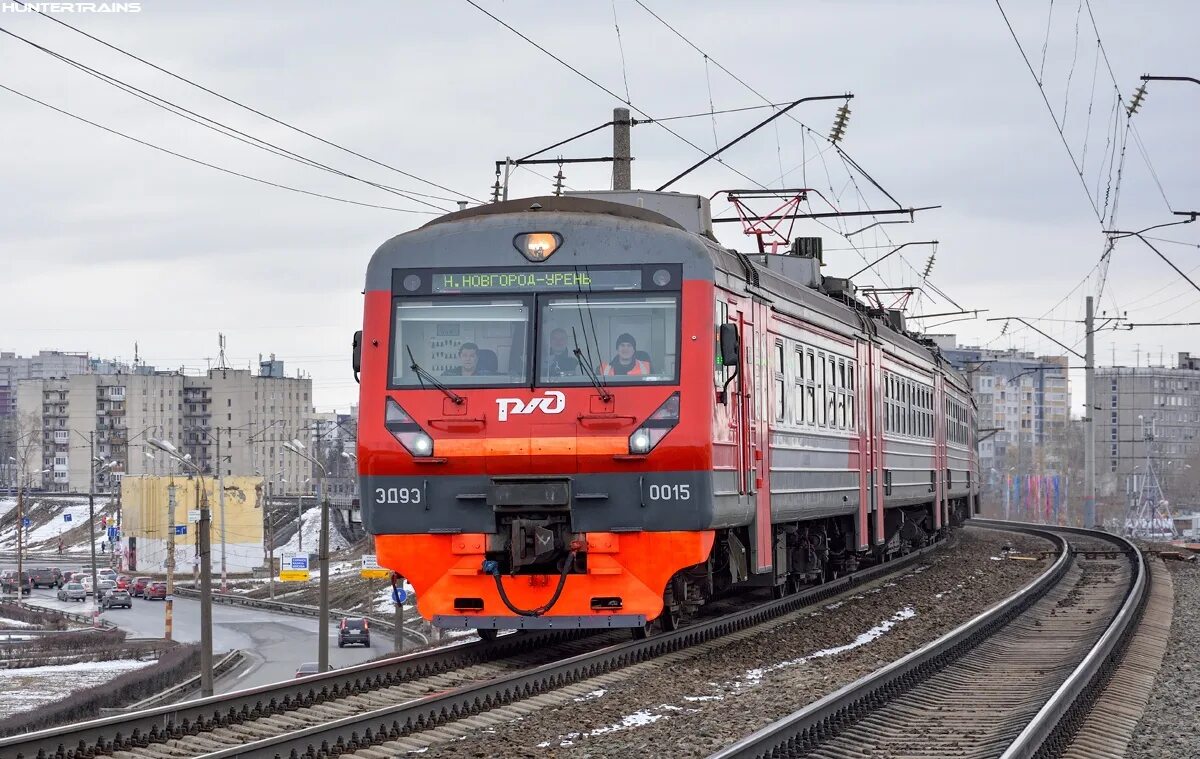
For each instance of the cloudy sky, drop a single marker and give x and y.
(107, 243)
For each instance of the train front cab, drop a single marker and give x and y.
(516, 496)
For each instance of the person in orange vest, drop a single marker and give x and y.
(626, 361)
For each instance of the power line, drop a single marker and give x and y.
(214, 125)
(197, 161)
(764, 98)
(243, 106)
(604, 89)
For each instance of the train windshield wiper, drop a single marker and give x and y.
(587, 368)
(423, 374)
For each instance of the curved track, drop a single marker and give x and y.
(1013, 682)
(372, 704)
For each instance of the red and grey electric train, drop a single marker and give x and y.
(583, 413)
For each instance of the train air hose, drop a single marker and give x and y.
(493, 568)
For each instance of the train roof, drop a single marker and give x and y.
(683, 239)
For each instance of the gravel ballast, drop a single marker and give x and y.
(696, 704)
(1168, 725)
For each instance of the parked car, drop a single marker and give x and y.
(46, 577)
(72, 591)
(8, 582)
(310, 668)
(116, 597)
(156, 591)
(139, 587)
(354, 630)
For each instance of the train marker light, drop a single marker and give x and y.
(406, 431)
(655, 428)
(537, 246)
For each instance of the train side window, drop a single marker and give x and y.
(780, 385)
(822, 389)
(831, 393)
(800, 390)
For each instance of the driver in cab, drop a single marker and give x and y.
(626, 361)
(559, 360)
(468, 360)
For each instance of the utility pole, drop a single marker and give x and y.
(1089, 392)
(169, 599)
(20, 543)
(206, 643)
(622, 157)
(270, 525)
(221, 501)
(92, 525)
(323, 558)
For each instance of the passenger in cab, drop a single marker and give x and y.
(626, 362)
(468, 359)
(559, 362)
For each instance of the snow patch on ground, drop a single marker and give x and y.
(640, 718)
(309, 536)
(14, 623)
(31, 687)
(592, 694)
(753, 677)
(7, 505)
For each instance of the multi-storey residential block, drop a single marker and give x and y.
(112, 417)
(1024, 400)
(1147, 413)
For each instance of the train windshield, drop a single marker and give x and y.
(461, 341)
(626, 339)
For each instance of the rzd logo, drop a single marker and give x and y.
(553, 403)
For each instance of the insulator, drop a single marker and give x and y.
(839, 123)
(1138, 96)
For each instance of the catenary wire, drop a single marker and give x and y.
(197, 161)
(215, 125)
(243, 106)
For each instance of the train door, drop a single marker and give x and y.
(939, 448)
(879, 461)
(865, 436)
(750, 415)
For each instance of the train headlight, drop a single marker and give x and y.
(639, 442)
(655, 428)
(537, 246)
(406, 431)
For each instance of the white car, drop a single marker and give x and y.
(106, 574)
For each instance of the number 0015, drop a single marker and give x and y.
(670, 492)
(397, 495)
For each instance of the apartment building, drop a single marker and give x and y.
(1147, 413)
(251, 415)
(1024, 399)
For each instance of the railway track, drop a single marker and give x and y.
(1016, 681)
(379, 703)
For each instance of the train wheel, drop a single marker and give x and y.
(643, 632)
(487, 635)
(671, 619)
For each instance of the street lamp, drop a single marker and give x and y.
(296, 447)
(206, 644)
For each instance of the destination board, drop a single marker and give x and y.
(536, 280)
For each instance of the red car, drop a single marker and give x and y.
(139, 586)
(156, 590)
(124, 582)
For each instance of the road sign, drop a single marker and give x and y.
(181, 529)
(193, 515)
(399, 595)
(66, 517)
(371, 569)
(294, 567)
(26, 521)
(112, 533)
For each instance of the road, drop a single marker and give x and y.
(275, 644)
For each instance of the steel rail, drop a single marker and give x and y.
(808, 727)
(104, 735)
(388, 723)
(1051, 730)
